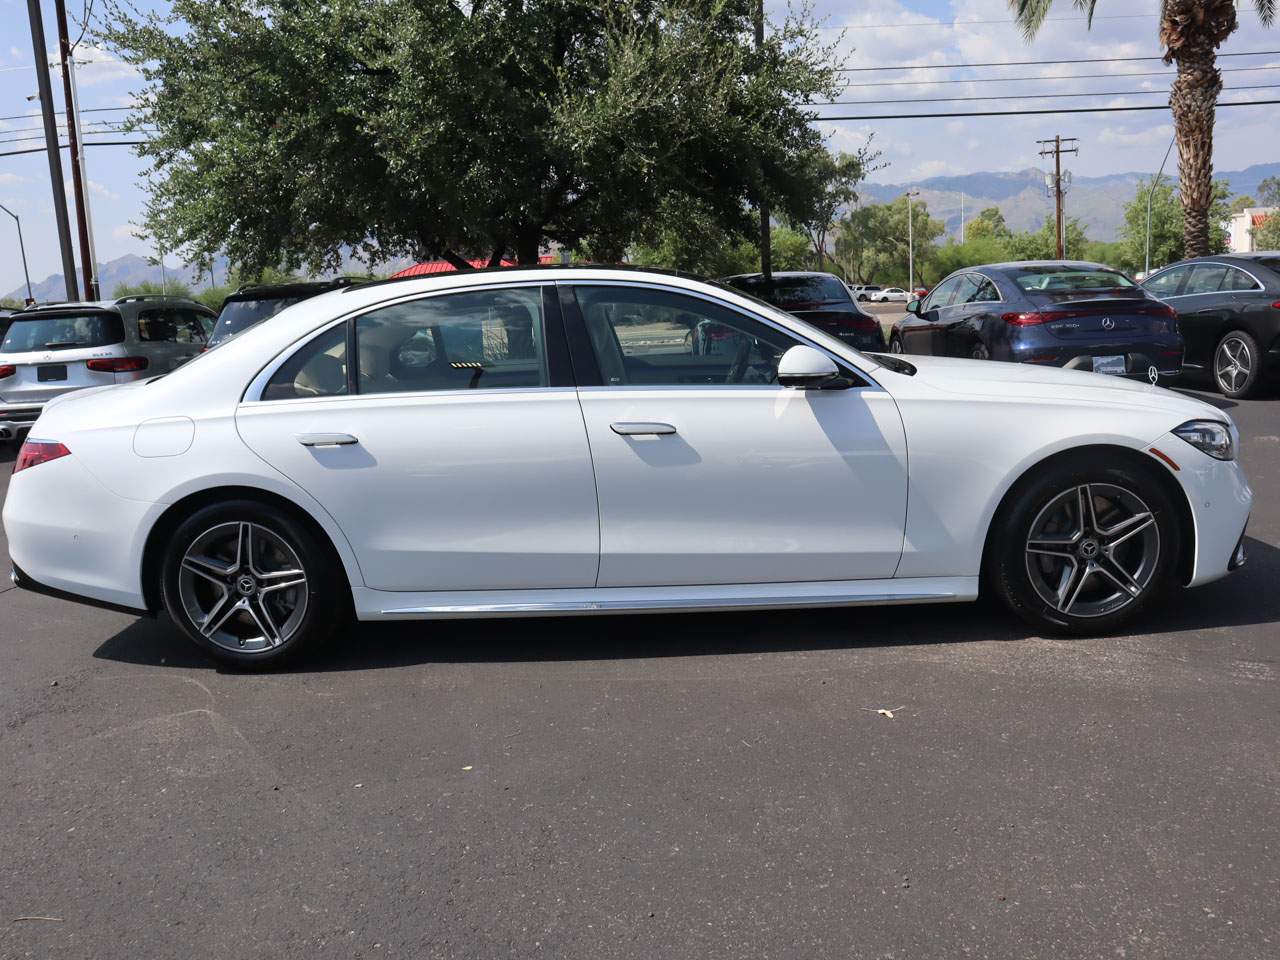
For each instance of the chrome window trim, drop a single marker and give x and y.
(253, 392)
(991, 283)
(1203, 263)
(749, 314)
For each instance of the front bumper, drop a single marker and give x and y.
(1220, 499)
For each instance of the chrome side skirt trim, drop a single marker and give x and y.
(642, 606)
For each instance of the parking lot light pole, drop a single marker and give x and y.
(1146, 268)
(911, 244)
(22, 247)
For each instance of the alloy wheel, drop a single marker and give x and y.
(243, 587)
(1232, 365)
(1093, 550)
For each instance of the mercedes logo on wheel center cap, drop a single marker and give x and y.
(246, 586)
(1089, 549)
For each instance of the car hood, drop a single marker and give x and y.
(996, 379)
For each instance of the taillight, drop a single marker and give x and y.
(7, 370)
(1024, 319)
(117, 364)
(860, 322)
(36, 452)
(1276, 305)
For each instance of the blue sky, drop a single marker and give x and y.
(874, 33)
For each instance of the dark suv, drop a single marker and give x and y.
(250, 305)
(821, 299)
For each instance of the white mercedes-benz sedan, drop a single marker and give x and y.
(596, 440)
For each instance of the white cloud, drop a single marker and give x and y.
(96, 190)
(125, 232)
(11, 179)
(101, 67)
(16, 54)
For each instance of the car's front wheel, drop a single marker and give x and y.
(895, 345)
(251, 585)
(1083, 547)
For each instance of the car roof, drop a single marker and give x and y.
(1023, 264)
(782, 273)
(107, 305)
(272, 291)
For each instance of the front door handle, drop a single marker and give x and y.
(326, 439)
(645, 429)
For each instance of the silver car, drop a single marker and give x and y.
(51, 350)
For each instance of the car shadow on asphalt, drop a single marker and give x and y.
(1247, 598)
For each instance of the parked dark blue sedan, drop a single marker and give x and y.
(1053, 312)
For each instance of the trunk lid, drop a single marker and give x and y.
(1116, 317)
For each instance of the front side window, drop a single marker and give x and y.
(484, 340)
(1166, 284)
(943, 294)
(647, 337)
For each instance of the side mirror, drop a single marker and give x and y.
(914, 307)
(806, 368)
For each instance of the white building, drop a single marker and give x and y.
(1240, 227)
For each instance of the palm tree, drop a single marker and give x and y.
(1191, 32)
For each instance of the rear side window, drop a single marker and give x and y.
(170, 325)
(1206, 278)
(1166, 284)
(319, 369)
(489, 339)
(27, 334)
(1237, 279)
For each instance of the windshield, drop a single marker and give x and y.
(65, 332)
(787, 320)
(239, 315)
(793, 291)
(1061, 279)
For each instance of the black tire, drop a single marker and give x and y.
(1236, 350)
(1011, 566)
(325, 597)
(979, 351)
(895, 345)
(862, 298)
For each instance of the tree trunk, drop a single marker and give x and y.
(1191, 31)
(527, 247)
(458, 263)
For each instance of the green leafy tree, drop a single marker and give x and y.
(9, 303)
(871, 241)
(988, 223)
(1190, 32)
(953, 256)
(791, 249)
(1042, 244)
(1112, 253)
(286, 132)
(1242, 203)
(1269, 192)
(1168, 238)
(837, 178)
(173, 289)
(1266, 236)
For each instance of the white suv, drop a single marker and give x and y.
(51, 350)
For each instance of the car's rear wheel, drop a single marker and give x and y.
(979, 351)
(251, 585)
(1237, 365)
(895, 345)
(1083, 547)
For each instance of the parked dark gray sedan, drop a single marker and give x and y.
(1052, 312)
(1229, 313)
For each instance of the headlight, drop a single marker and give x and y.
(1208, 436)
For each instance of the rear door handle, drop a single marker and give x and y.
(326, 439)
(643, 429)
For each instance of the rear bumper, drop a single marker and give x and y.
(16, 418)
(1139, 360)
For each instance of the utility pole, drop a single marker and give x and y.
(962, 216)
(766, 241)
(51, 147)
(73, 141)
(911, 245)
(23, 248)
(1057, 147)
(95, 292)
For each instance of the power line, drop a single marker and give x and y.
(1036, 63)
(1074, 76)
(91, 143)
(36, 116)
(854, 27)
(1025, 96)
(1027, 113)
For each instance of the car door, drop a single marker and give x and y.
(953, 326)
(1204, 309)
(927, 337)
(1167, 285)
(707, 471)
(450, 449)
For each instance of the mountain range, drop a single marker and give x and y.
(1024, 198)
(1020, 195)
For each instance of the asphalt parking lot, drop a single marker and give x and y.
(712, 786)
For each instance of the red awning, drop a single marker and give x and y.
(430, 267)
